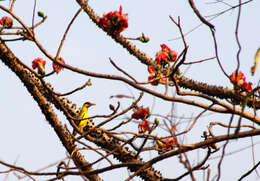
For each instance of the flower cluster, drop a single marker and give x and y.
(165, 56)
(239, 81)
(156, 76)
(167, 145)
(143, 126)
(56, 67)
(39, 64)
(114, 22)
(141, 113)
(6, 22)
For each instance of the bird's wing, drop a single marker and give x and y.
(80, 116)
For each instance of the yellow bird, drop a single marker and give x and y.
(82, 115)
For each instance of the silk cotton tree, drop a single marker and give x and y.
(180, 118)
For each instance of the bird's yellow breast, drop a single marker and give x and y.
(83, 115)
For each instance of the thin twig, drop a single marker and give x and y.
(66, 32)
(123, 112)
(193, 169)
(237, 37)
(199, 61)
(215, 16)
(194, 122)
(202, 19)
(143, 143)
(33, 16)
(187, 165)
(121, 70)
(216, 54)
(88, 83)
(249, 171)
(224, 149)
(12, 5)
(178, 24)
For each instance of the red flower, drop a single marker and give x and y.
(114, 22)
(152, 75)
(237, 79)
(141, 113)
(56, 67)
(6, 22)
(154, 82)
(161, 58)
(239, 82)
(167, 145)
(170, 144)
(151, 70)
(247, 86)
(165, 55)
(155, 75)
(143, 126)
(172, 55)
(39, 63)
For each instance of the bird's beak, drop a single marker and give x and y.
(91, 104)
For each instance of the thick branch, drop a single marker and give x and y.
(204, 143)
(11, 61)
(95, 135)
(215, 91)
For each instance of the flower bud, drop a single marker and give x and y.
(156, 121)
(40, 14)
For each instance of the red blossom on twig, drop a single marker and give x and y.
(56, 67)
(166, 55)
(170, 144)
(167, 145)
(143, 126)
(239, 81)
(6, 22)
(114, 22)
(141, 113)
(247, 86)
(39, 63)
(154, 76)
